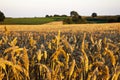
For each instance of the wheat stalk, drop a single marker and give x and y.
(39, 55)
(86, 62)
(48, 71)
(25, 59)
(112, 57)
(71, 70)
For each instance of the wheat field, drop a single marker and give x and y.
(60, 52)
(55, 26)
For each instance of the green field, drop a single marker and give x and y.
(30, 21)
(43, 20)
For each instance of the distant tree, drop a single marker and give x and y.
(73, 13)
(74, 18)
(94, 14)
(47, 16)
(2, 16)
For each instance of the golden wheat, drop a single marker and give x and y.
(60, 56)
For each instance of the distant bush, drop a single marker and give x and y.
(112, 20)
(2, 16)
(63, 15)
(118, 19)
(56, 15)
(68, 20)
(103, 19)
(48, 16)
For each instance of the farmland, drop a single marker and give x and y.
(55, 26)
(44, 20)
(60, 52)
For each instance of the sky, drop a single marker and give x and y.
(39, 8)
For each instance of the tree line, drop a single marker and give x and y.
(75, 18)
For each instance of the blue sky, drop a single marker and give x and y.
(31, 8)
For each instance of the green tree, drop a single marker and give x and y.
(74, 18)
(2, 16)
(47, 16)
(94, 14)
(73, 13)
